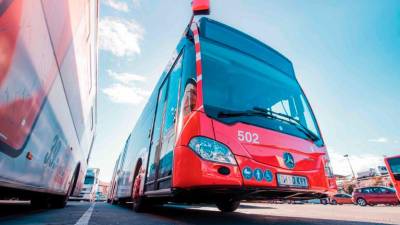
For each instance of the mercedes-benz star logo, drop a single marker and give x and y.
(288, 160)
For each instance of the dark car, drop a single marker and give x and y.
(374, 195)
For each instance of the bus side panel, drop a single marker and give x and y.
(73, 30)
(138, 148)
(43, 154)
(111, 190)
(54, 155)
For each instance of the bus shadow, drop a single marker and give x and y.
(201, 216)
(247, 206)
(15, 208)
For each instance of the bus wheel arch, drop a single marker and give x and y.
(138, 202)
(135, 176)
(76, 175)
(60, 201)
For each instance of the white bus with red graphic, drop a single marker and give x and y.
(48, 87)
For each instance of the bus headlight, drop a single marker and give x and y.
(212, 150)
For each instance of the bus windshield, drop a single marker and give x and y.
(394, 164)
(89, 180)
(236, 82)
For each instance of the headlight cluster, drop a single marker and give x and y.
(212, 150)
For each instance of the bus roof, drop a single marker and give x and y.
(233, 38)
(392, 157)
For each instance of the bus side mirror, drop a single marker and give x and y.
(201, 7)
(189, 99)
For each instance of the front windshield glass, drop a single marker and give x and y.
(234, 81)
(89, 180)
(394, 164)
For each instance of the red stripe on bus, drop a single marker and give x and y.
(198, 67)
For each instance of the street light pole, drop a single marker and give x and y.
(351, 167)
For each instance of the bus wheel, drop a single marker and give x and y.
(60, 201)
(334, 202)
(139, 204)
(40, 202)
(228, 205)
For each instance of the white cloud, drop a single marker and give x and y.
(117, 5)
(120, 37)
(120, 93)
(379, 140)
(126, 78)
(360, 162)
(136, 3)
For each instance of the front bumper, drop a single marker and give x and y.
(213, 194)
(84, 197)
(196, 175)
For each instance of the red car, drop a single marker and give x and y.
(374, 195)
(341, 199)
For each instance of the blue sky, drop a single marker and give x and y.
(346, 56)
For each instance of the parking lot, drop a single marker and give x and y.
(84, 213)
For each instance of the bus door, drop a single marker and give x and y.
(159, 168)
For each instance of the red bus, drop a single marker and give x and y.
(393, 166)
(48, 88)
(227, 121)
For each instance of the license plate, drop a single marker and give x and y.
(292, 181)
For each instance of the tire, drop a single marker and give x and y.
(60, 201)
(40, 202)
(114, 202)
(228, 205)
(324, 201)
(334, 202)
(140, 205)
(361, 202)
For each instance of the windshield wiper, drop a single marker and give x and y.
(290, 120)
(227, 114)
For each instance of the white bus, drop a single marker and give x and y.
(48, 88)
(90, 185)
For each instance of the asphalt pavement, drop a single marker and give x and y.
(84, 213)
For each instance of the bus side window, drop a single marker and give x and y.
(188, 69)
(172, 96)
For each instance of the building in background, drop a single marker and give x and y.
(102, 191)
